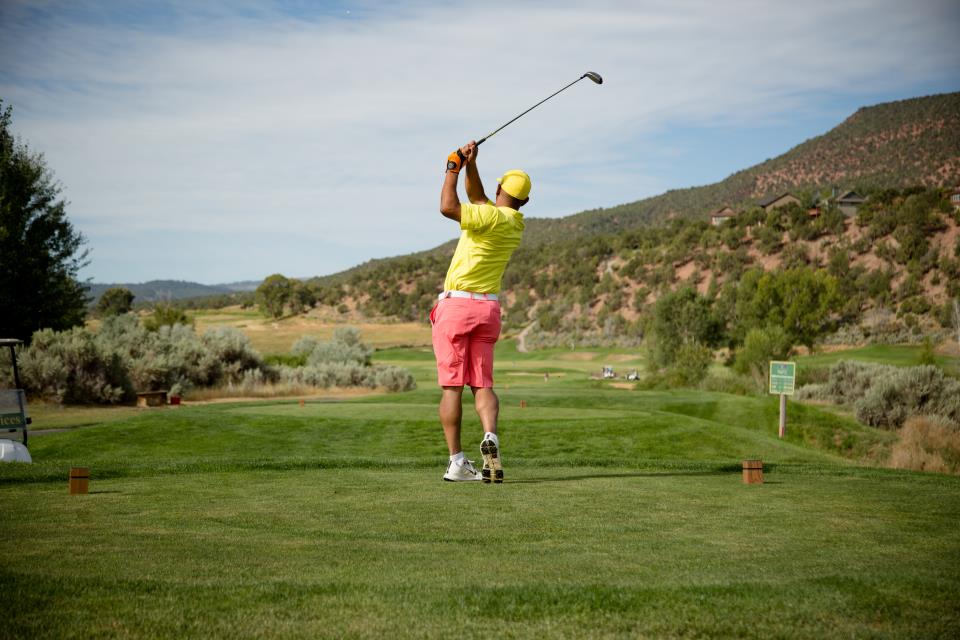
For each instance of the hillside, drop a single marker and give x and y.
(888, 146)
(165, 290)
(893, 268)
(891, 145)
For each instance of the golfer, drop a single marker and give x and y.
(466, 319)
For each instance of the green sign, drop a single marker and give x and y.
(782, 377)
(11, 420)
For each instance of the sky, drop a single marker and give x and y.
(223, 141)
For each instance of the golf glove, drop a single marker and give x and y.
(455, 161)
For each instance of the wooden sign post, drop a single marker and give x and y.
(783, 376)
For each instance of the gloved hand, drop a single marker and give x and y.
(455, 161)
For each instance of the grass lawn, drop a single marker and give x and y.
(623, 515)
(901, 355)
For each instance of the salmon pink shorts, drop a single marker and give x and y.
(464, 332)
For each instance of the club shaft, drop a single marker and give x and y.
(491, 134)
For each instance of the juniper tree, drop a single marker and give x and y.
(40, 251)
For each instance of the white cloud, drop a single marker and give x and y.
(334, 129)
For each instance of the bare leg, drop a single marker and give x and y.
(488, 408)
(451, 413)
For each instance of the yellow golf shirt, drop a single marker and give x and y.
(489, 236)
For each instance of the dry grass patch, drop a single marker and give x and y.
(927, 444)
(277, 336)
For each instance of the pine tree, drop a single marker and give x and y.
(40, 252)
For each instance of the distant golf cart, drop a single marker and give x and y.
(607, 373)
(13, 414)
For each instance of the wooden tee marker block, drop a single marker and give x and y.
(753, 471)
(79, 481)
(147, 399)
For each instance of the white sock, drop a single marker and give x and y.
(457, 457)
(492, 436)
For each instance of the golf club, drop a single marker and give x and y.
(589, 74)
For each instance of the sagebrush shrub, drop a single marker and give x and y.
(345, 348)
(109, 365)
(886, 396)
(72, 366)
(394, 379)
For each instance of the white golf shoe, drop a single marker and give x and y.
(462, 471)
(492, 468)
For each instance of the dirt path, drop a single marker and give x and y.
(522, 338)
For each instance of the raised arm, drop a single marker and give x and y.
(472, 181)
(449, 201)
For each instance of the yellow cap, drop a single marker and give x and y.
(516, 183)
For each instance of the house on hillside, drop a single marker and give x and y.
(850, 202)
(775, 202)
(721, 215)
(955, 199)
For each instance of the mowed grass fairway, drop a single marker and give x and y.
(623, 514)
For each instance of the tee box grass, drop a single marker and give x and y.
(623, 514)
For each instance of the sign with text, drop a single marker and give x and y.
(783, 375)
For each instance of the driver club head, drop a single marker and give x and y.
(593, 75)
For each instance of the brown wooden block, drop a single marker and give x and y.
(753, 472)
(79, 480)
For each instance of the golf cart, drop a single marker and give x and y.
(13, 414)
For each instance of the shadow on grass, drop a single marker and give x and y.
(605, 476)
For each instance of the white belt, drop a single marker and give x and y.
(468, 294)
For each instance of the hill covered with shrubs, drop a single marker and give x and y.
(893, 268)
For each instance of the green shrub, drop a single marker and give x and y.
(107, 366)
(768, 239)
(886, 396)
(927, 355)
(344, 374)
(907, 392)
(114, 301)
(679, 318)
(728, 382)
(73, 367)
(760, 347)
(917, 305)
(286, 359)
(690, 365)
(847, 382)
(165, 314)
(812, 375)
(344, 347)
(394, 379)
(344, 361)
(274, 293)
